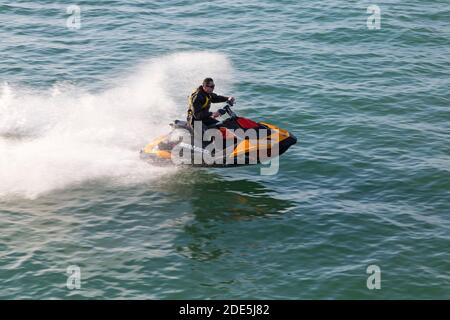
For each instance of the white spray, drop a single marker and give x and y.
(65, 136)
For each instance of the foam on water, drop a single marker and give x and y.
(67, 135)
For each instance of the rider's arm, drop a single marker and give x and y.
(215, 98)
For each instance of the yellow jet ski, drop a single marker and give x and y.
(236, 141)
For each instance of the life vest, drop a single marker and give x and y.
(191, 101)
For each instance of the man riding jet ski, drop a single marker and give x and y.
(204, 141)
(200, 102)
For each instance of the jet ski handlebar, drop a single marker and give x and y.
(230, 112)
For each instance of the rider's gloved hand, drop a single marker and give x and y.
(231, 100)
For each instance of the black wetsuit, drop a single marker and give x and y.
(199, 104)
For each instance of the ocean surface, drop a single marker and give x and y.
(368, 182)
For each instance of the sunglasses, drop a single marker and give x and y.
(210, 86)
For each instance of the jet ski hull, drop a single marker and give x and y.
(159, 151)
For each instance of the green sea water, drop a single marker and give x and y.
(368, 182)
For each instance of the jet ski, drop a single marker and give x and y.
(235, 141)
